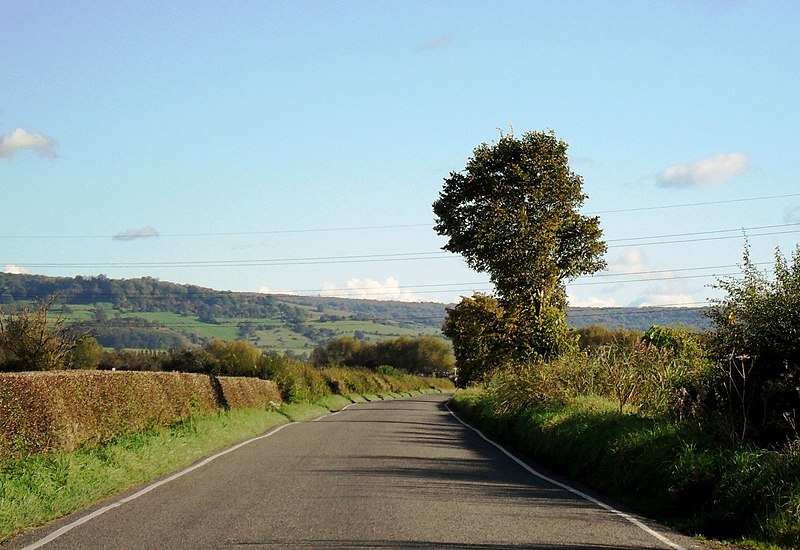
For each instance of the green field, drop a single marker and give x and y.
(267, 333)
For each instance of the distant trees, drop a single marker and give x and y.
(137, 333)
(424, 354)
(141, 294)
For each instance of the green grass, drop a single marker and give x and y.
(38, 489)
(334, 402)
(301, 412)
(370, 328)
(661, 467)
(278, 337)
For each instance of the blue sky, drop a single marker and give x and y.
(298, 146)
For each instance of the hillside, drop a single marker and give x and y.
(147, 313)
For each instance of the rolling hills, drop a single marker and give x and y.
(146, 313)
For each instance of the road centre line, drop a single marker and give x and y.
(572, 490)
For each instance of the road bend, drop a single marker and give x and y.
(391, 474)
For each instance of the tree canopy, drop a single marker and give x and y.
(514, 214)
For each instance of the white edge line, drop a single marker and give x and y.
(100, 511)
(572, 490)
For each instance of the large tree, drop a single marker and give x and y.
(514, 213)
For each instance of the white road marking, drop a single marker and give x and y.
(572, 490)
(100, 511)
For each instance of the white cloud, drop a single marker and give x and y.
(632, 260)
(716, 170)
(21, 140)
(633, 281)
(131, 234)
(591, 301)
(665, 296)
(14, 269)
(370, 289)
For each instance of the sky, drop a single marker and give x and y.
(297, 146)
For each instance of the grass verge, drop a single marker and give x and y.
(663, 468)
(38, 489)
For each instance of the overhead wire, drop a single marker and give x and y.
(663, 239)
(124, 236)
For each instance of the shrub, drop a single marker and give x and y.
(757, 349)
(33, 342)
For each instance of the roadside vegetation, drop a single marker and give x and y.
(79, 423)
(698, 429)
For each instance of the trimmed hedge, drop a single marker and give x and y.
(42, 412)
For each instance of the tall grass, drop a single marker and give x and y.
(633, 421)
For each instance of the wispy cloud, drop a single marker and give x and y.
(14, 269)
(370, 289)
(439, 43)
(657, 285)
(23, 140)
(665, 294)
(132, 234)
(792, 215)
(716, 170)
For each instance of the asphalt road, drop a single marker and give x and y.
(391, 474)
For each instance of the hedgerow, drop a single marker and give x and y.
(61, 411)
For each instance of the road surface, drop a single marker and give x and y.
(390, 474)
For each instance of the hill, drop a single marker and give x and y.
(146, 313)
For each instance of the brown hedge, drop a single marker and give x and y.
(42, 412)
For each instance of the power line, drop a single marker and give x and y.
(715, 232)
(371, 227)
(708, 239)
(404, 256)
(364, 258)
(687, 205)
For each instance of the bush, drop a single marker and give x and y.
(298, 381)
(423, 354)
(757, 349)
(33, 342)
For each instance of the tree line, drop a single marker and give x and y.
(31, 339)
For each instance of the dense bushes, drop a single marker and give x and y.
(757, 345)
(701, 428)
(664, 467)
(652, 380)
(424, 355)
(43, 412)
